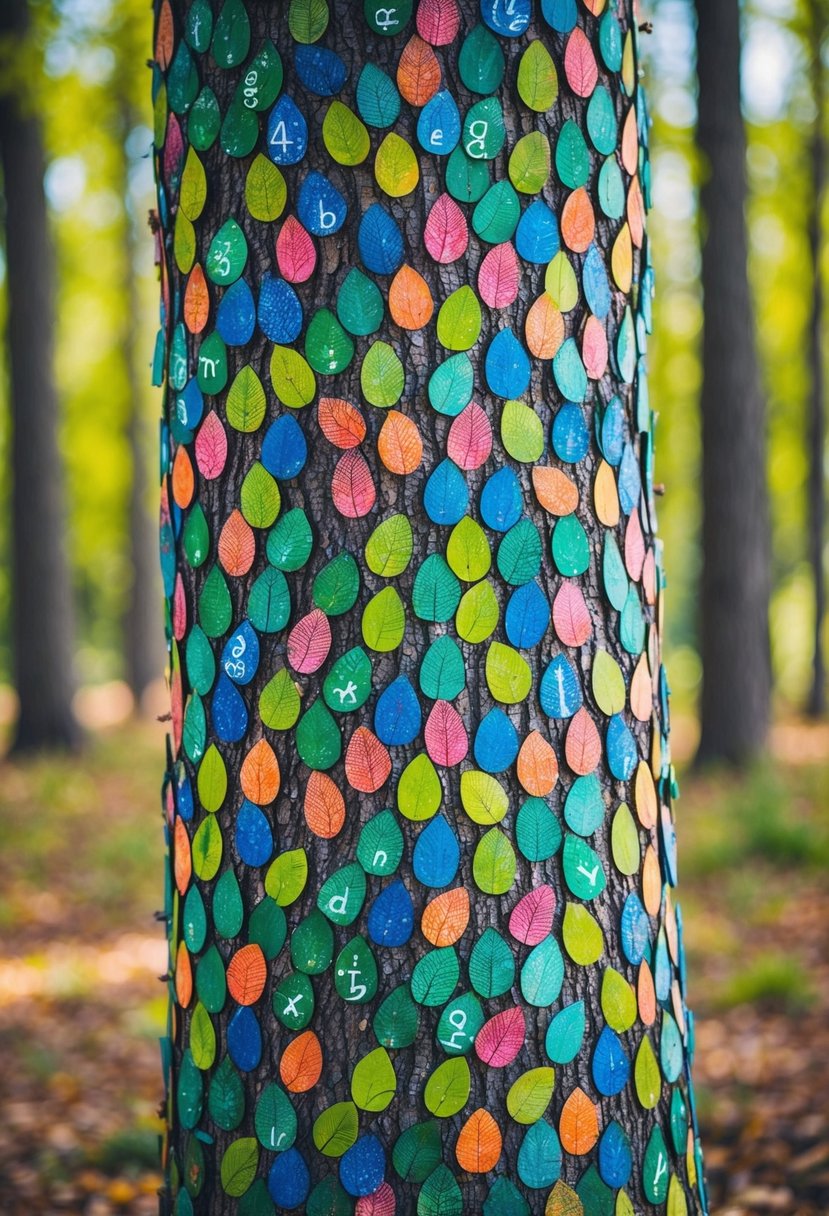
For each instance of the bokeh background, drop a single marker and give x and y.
(80, 837)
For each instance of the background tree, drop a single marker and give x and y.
(735, 585)
(42, 614)
(407, 539)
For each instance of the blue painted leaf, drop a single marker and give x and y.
(436, 854)
(501, 500)
(240, 656)
(636, 930)
(539, 1157)
(363, 1166)
(537, 237)
(622, 753)
(560, 691)
(595, 284)
(630, 480)
(320, 206)
(496, 742)
(287, 132)
(397, 714)
(377, 97)
(280, 312)
(569, 372)
(439, 124)
(507, 17)
(289, 1180)
(236, 314)
(380, 241)
(254, 838)
(527, 616)
(507, 366)
(451, 385)
(189, 406)
(565, 1033)
(446, 495)
(570, 437)
(560, 14)
(391, 916)
(228, 711)
(611, 1067)
(284, 450)
(321, 71)
(612, 434)
(244, 1039)
(615, 1157)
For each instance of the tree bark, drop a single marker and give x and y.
(734, 597)
(816, 444)
(616, 747)
(42, 614)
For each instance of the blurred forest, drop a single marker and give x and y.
(93, 98)
(80, 1010)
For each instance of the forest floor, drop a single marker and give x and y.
(81, 1008)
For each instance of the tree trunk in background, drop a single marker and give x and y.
(734, 599)
(143, 657)
(422, 850)
(42, 614)
(816, 445)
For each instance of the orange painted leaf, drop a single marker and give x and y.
(445, 735)
(446, 234)
(563, 1201)
(498, 276)
(580, 64)
(164, 38)
(182, 862)
(605, 496)
(636, 213)
(571, 616)
(367, 761)
(583, 745)
(237, 544)
(410, 300)
(341, 422)
(621, 259)
(418, 72)
(184, 481)
(554, 490)
(179, 609)
(309, 642)
(634, 547)
(630, 142)
(641, 694)
(644, 796)
(296, 253)
(184, 976)
(196, 301)
(211, 446)
(578, 1126)
(247, 972)
(399, 443)
(649, 577)
(594, 348)
(324, 806)
(646, 994)
(445, 917)
(651, 882)
(469, 442)
(544, 328)
(578, 223)
(479, 1143)
(438, 21)
(301, 1065)
(537, 765)
(352, 487)
(259, 776)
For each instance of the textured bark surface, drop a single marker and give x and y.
(663, 1173)
(734, 629)
(42, 613)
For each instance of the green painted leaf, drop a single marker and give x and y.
(211, 985)
(226, 1096)
(293, 380)
(537, 830)
(275, 1120)
(389, 548)
(382, 376)
(239, 1164)
(318, 740)
(207, 849)
(496, 216)
(259, 496)
(522, 432)
(279, 702)
(265, 190)
(582, 935)
(561, 284)
(529, 163)
(384, 621)
(342, 894)
(286, 877)
(202, 1038)
(293, 1001)
(269, 603)
(312, 944)
(380, 846)
(227, 254)
(373, 1082)
(307, 20)
(436, 592)
(448, 1088)
(543, 974)
(508, 676)
(215, 608)
(337, 585)
(211, 780)
(228, 909)
(583, 869)
(442, 670)
(618, 1001)
(435, 976)
(483, 797)
(291, 541)
(360, 306)
(246, 404)
(193, 188)
(570, 546)
(397, 1019)
(572, 156)
(519, 553)
(624, 841)
(467, 553)
(328, 348)
(268, 927)
(491, 965)
(646, 1075)
(530, 1094)
(417, 1151)
(459, 319)
(419, 791)
(348, 684)
(493, 865)
(608, 683)
(478, 613)
(345, 136)
(336, 1129)
(537, 78)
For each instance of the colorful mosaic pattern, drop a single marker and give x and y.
(424, 951)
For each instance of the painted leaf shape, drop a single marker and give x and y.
(579, 1124)
(554, 490)
(537, 79)
(367, 761)
(583, 745)
(246, 974)
(341, 422)
(469, 441)
(544, 328)
(446, 234)
(438, 21)
(532, 917)
(296, 254)
(309, 642)
(300, 1066)
(580, 66)
(352, 486)
(530, 1094)
(196, 301)
(447, 1089)
(445, 917)
(211, 447)
(399, 444)
(396, 167)
(236, 546)
(324, 806)
(501, 1038)
(410, 299)
(259, 775)
(373, 1081)
(571, 616)
(498, 276)
(418, 72)
(537, 765)
(445, 735)
(479, 1143)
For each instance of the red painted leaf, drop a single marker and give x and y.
(418, 72)
(446, 234)
(296, 254)
(381, 1203)
(498, 276)
(469, 442)
(179, 609)
(367, 761)
(309, 642)
(352, 487)
(580, 64)
(500, 1039)
(341, 422)
(438, 21)
(211, 446)
(532, 917)
(571, 616)
(445, 735)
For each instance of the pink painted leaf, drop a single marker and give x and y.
(470, 438)
(594, 348)
(500, 1039)
(381, 1203)
(498, 276)
(438, 21)
(446, 234)
(634, 547)
(352, 487)
(580, 64)
(309, 642)
(296, 254)
(571, 616)
(532, 917)
(173, 148)
(445, 735)
(211, 447)
(367, 762)
(179, 609)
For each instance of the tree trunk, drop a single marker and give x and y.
(386, 760)
(42, 615)
(816, 444)
(734, 599)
